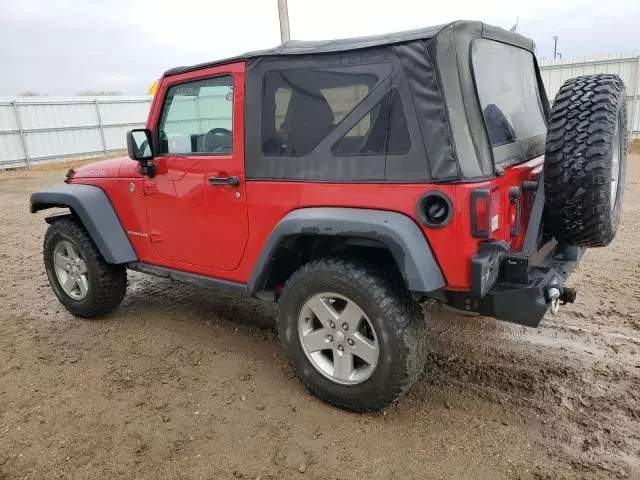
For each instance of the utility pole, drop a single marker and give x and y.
(555, 47)
(283, 12)
(515, 27)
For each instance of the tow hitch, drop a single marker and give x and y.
(560, 295)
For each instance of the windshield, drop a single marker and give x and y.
(508, 92)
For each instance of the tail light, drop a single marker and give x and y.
(485, 211)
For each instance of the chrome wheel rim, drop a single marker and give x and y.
(338, 338)
(71, 270)
(615, 165)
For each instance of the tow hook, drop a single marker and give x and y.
(558, 294)
(554, 293)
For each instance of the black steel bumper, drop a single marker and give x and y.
(517, 287)
(521, 286)
(526, 285)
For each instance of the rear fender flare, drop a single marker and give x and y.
(399, 233)
(92, 206)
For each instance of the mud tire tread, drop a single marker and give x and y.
(399, 314)
(578, 161)
(107, 282)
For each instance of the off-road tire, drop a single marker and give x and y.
(107, 282)
(588, 117)
(396, 317)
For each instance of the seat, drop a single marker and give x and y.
(309, 121)
(217, 140)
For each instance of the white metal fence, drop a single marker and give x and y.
(627, 65)
(36, 130)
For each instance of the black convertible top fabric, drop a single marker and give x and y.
(300, 47)
(431, 71)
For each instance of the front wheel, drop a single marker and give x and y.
(355, 337)
(82, 280)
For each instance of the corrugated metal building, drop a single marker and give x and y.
(37, 130)
(627, 65)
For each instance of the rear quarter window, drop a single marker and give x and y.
(301, 107)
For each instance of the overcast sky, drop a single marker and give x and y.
(61, 47)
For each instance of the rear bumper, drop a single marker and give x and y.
(528, 285)
(518, 287)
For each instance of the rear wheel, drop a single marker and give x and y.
(355, 337)
(585, 162)
(84, 283)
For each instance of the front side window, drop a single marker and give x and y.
(508, 91)
(197, 117)
(301, 107)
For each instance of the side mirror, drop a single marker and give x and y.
(139, 148)
(139, 145)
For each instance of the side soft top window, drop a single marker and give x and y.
(300, 107)
(382, 131)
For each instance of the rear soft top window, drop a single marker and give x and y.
(508, 92)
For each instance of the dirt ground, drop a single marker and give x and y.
(183, 383)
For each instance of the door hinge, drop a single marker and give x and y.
(149, 188)
(155, 236)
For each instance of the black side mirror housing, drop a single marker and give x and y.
(139, 144)
(139, 149)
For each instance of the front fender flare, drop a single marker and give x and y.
(399, 233)
(93, 208)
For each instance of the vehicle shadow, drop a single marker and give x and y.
(201, 302)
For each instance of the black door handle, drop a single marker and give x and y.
(233, 181)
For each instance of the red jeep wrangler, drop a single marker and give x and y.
(348, 180)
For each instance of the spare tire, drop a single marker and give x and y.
(585, 161)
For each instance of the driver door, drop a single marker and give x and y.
(196, 203)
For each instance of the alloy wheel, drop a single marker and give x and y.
(71, 270)
(338, 338)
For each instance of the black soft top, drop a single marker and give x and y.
(303, 47)
(430, 68)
